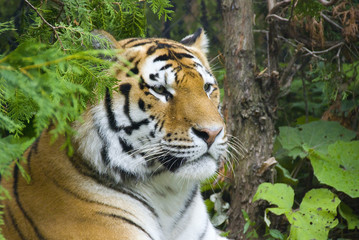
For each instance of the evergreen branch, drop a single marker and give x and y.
(6, 68)
(4, 59)
(26, 73)
(48, 24)
(70, 57)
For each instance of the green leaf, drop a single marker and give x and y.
(341, 161)
(284, 176)
(276, 234)
(314, 135)
(218, 219)
(278, 194)
(315, 217)
(347, 213)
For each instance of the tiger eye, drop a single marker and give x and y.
(207, 87)
(159, 89)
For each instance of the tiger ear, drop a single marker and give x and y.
(197, 40)
(103, 40)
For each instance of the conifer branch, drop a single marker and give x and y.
(48, 24)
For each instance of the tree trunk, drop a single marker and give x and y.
(248, 113)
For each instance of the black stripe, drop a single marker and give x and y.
(154, 77)
(17, 198)
(162, 45)
(163, 57)
(110, 113)
(136, 126)
(126, 220)
(182, 55)
(141, 105)
(134, 71)
(79, 197)
(203, 234)
(162, 123)
(14, 223)
(151, 50)
(166, 66)
(189, 201)
(104, 154)
(140, 44)
(191, 198)
(130, 41)
(125, 146)
(126, 175)
(33, 149)
(105, 181)
(170, 162)
(125, 90)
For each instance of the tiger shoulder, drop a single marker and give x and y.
(140, 154)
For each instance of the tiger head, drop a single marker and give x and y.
(163, 116)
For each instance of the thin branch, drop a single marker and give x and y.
(284, 79)
(305, 97)
(278, 6)
(292, 10)
(277, 17)
(304, 48)
(328, 3)
(331, 21)
(260, 31)
(47, 23)
(326, 50)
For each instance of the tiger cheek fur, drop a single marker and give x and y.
(140, 154)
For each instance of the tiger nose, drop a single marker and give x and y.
(207, 135)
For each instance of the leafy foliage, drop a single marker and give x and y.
(161, 7)
(347, 213)
(340, 161)
(331, 152)
(315, 135)
(315, 216)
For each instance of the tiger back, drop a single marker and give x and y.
(140, 154)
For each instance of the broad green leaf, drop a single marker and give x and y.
(341, 161)
(314, 135)
(347, 213)
(278, 194)
(284, 175)
(315, 217)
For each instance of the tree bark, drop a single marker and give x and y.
(248, 112)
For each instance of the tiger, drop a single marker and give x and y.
(140, 153)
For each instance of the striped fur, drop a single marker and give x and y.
(140, 154)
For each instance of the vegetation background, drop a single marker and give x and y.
(289, 77)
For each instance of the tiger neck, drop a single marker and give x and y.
(171, 198)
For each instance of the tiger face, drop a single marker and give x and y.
(163, 116)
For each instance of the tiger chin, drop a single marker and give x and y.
(140, 154)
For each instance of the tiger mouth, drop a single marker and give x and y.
(173, 163)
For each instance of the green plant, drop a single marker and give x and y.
(328, 149)
(314, 217)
